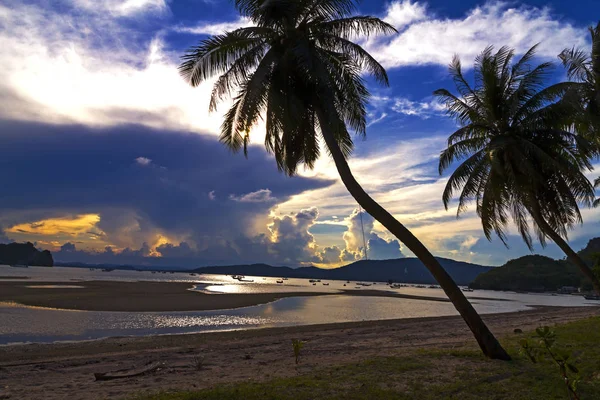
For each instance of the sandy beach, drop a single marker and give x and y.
(151, 296)
(65, 370)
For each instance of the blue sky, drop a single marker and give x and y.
(108, 156)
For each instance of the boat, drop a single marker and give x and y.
(363, 284)
(285, 279)
(467, 290)
(325, 284)
(279, 281)
(314, 280)
(314, 284)
(20, 266)
(591, 297)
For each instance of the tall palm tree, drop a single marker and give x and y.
(299, 67)
(517, 158)
(584, 69)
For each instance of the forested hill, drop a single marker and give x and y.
(538, 273)
(24, 253)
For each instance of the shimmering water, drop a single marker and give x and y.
(19, 324)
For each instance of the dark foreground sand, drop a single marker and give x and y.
(65, 371)
(150, 296)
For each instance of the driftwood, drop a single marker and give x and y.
(127, 373)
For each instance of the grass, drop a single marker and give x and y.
(459, 373)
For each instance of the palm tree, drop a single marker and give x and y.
(584, 69)
(518, 160)
(299, 67)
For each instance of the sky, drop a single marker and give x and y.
(108, 156)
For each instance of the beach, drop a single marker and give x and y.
(152, 296)
(66, 370)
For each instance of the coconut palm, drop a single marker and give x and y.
(584, 69)
(517, 159)
(299, 68)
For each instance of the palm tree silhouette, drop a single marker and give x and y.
(518, 159)
(584, 69)
(299, 67)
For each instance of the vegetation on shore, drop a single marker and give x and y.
(533, 273)
(25, 254)
(443, 373)
(537, 273)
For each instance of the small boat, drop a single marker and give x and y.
(279, 281)
(326, 284)
(591, 297)
(20, 266)
(344, 284)
(285, 279)
(314, 284)
(314, 280)
(467, 290)
(347, 281)
(363, 284)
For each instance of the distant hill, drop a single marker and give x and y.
(533, 273)
(24, 253)
(409, 270)
(537, 273)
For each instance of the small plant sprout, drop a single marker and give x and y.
(544, 344)
(297, 344)
(198, 363)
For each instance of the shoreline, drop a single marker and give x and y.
(65, 370)
(146, 296)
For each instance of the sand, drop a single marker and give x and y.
(151, 296)
(65, 370)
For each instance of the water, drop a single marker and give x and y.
(21, 324)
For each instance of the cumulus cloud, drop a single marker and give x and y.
(125, 205)
(359, 223)
(427, 39)
(401, 13)
(381, 249)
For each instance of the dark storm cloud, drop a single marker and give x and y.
(50, 170)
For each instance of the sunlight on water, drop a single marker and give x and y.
(20, 324)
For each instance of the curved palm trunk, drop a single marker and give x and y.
(564, 246)
(486, 340)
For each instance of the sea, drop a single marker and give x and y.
(23, 324)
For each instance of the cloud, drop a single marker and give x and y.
(421, 109)
(359, 223)
(426, 39)
(469, 242)
(381, 249)
(69, 66)
(143, 161)
(132, 205)
(259, 196)
(401, 13)
(122, 8)
(330, 255)
(212, 28)
(3, 237)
